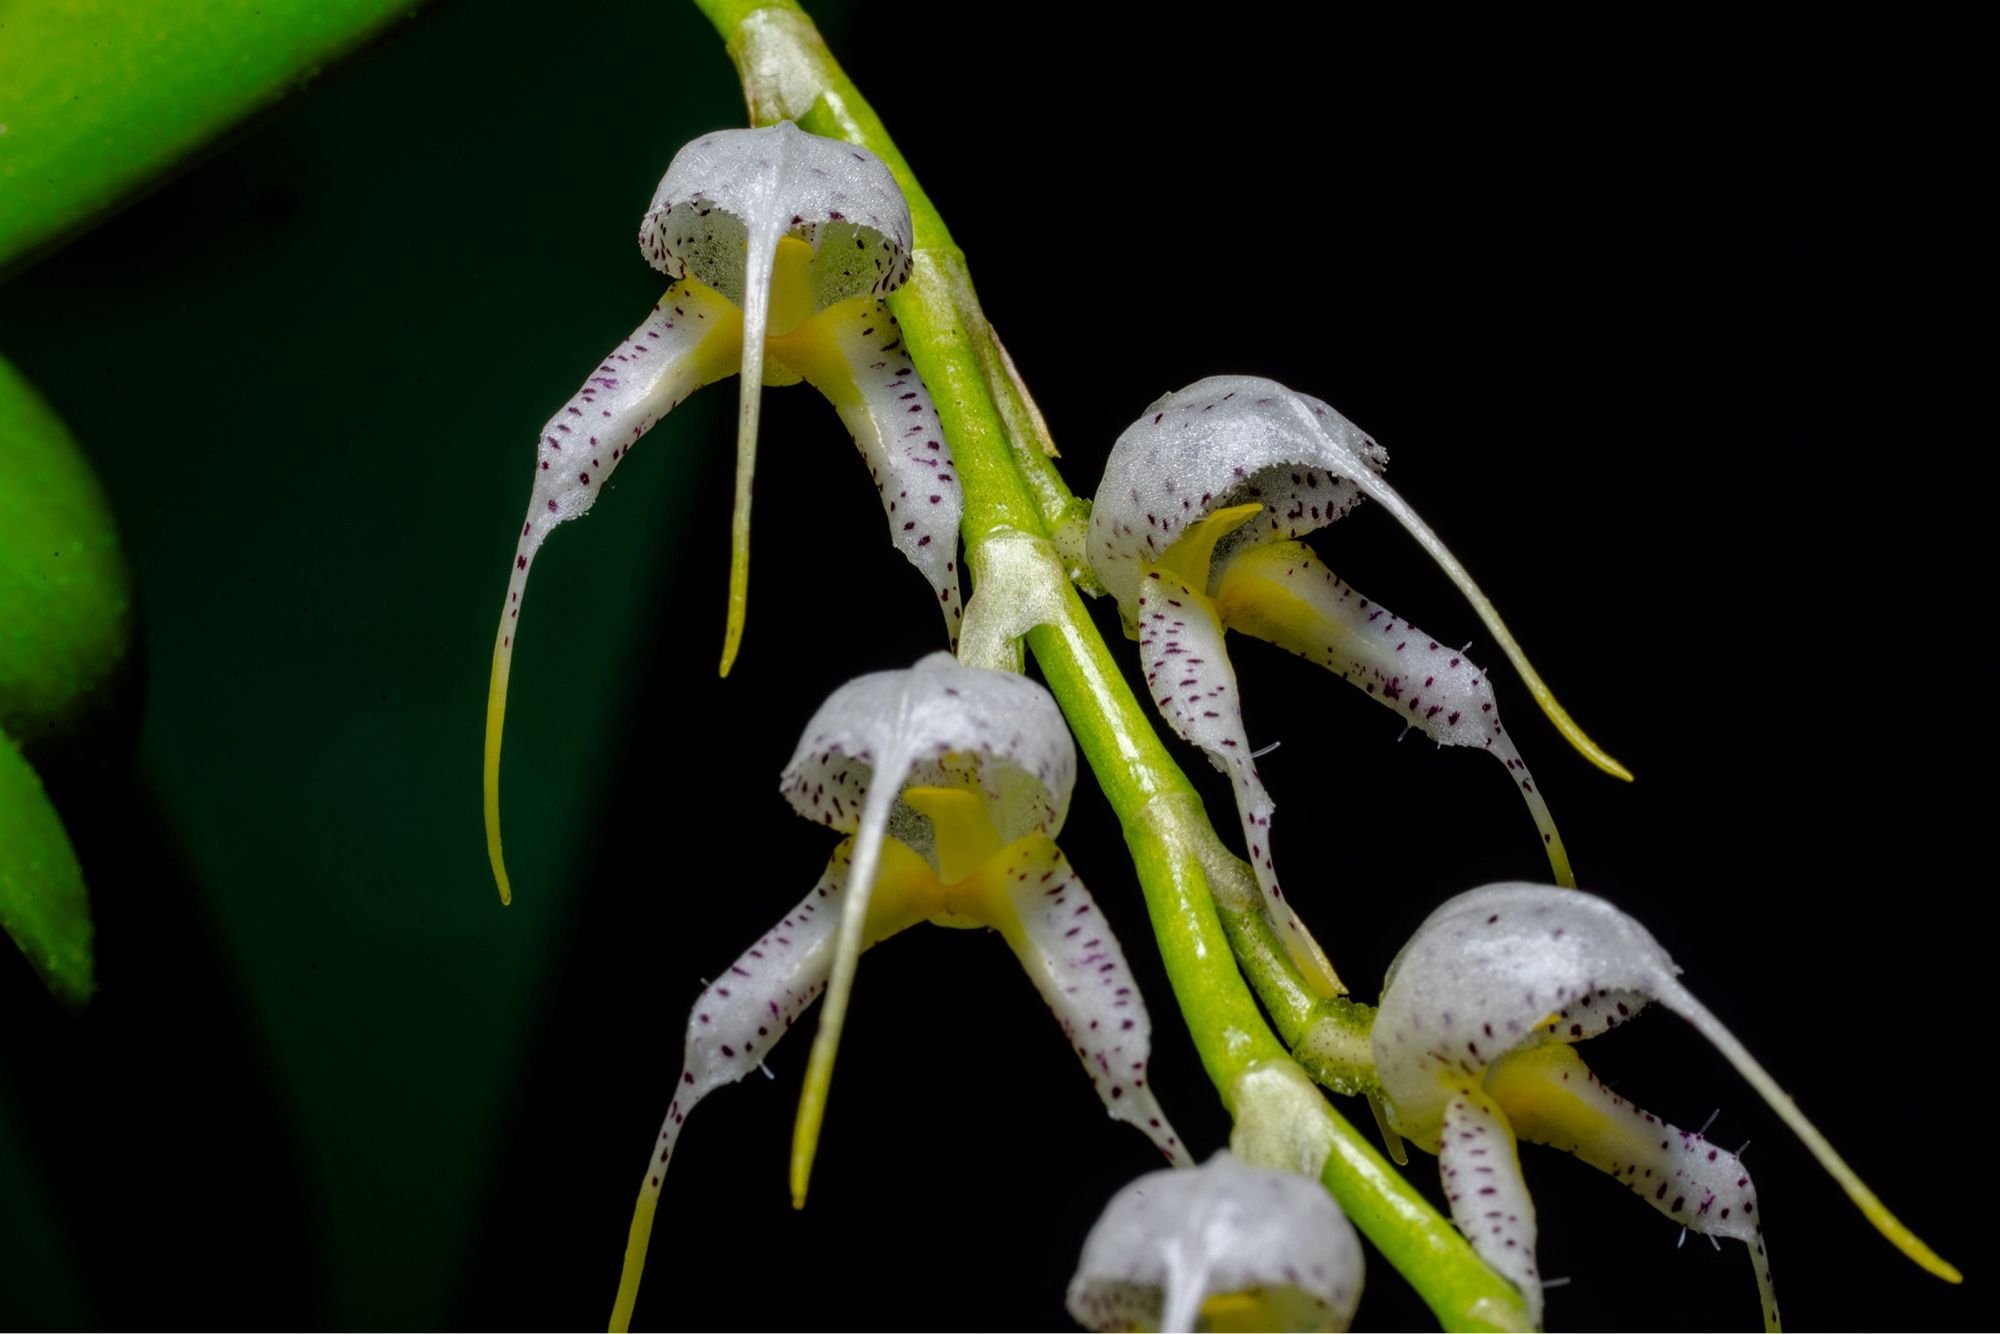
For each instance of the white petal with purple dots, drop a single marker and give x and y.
(855, 356)
(1192, 684)
(1067, 947)
(1225, 1244)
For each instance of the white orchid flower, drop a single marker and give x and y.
(1195, 531)
(951, 783)
(1223, 1246)
(1473, 1046)
(782, 245)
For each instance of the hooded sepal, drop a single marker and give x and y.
(1238, 1246)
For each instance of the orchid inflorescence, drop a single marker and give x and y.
(949, 781)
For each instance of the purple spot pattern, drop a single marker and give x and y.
(1076, 963)
(896, 428)
(740, 1017)
(634, 385)
(1221, 442)
(886, 724)
(1431, 686)
(1192, 684)
(1489, 1200)
(839, 199)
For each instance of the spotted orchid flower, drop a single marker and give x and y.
(951, 783)
(782, 245)
(1223, 1246)
(1195, 531)
(1473, 1047)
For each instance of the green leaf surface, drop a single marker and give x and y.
(101, 98)
(66, 608)
(42, 901)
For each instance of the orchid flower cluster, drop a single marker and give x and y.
(948, 783)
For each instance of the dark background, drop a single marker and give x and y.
(1644, 315)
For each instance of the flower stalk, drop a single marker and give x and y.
(1012, 489)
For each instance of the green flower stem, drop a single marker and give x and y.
(788, 73)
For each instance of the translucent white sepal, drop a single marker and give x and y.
(1489, 1200)
(1068, 950)
(895, 426)
(1192, 683)
(731, 1029)
(1282, 593)
(839, 199)
(689, 340)
(1173, 1240)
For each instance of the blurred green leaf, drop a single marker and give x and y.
(65, 591)
(100, 98)
(42, 900)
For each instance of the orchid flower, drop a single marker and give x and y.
(781, 245)
(1226, 1244)
(1472, 1044)
(951, 783)
(1195, 531)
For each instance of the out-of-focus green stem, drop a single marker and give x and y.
(1011, 488)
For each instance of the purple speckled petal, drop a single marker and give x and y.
(689, 340)
(1171, 1240)
(1551, 1097)
(1489, 1200)
(854, 354)
(1283, 593)
(1190, 679)
(1073, 959)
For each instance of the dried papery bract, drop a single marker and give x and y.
(951, 783)
(1195, 531)
(1235, 1246)
(1472, 1045)
(781, 245)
